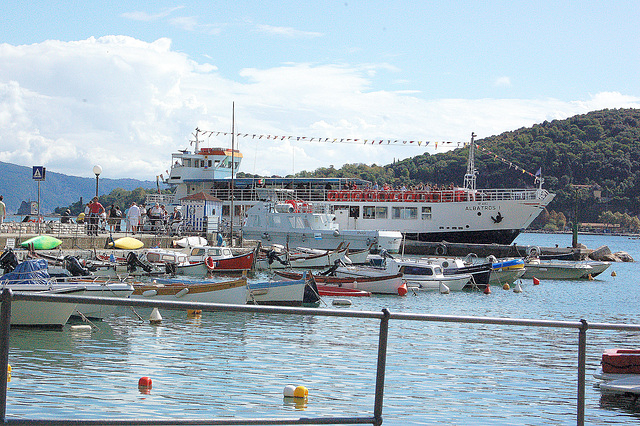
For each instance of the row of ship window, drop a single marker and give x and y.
(382, 212)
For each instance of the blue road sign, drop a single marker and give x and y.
(39, 172)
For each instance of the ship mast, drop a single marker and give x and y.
(233, 138)
(470, 176)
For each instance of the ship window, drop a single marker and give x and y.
(404, 213)
(197, 252)
(381, 212)
(368, 212)
(417, 270)
(216, 163)
(209, 163)
(426, 213)
(354, 211)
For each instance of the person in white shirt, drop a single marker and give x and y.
(133, 217)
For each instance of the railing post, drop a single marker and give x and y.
(5, 325)
(382, 363)
(582, 356)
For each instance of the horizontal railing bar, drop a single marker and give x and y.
(214, 307)
(179, 422)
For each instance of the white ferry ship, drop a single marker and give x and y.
(458, 215)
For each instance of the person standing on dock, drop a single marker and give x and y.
(133, 217)
(3, 210)
(95, 210)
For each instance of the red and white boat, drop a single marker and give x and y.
(620, 371)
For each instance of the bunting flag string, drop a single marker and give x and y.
(396, 142)
(509, 163)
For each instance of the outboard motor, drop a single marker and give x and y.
(170, 268)
(311, 294)
(72, 265)
(133, 263)
(8, 261)
(273, 256)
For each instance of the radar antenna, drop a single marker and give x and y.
(470, 176)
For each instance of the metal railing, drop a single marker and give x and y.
(7, 296)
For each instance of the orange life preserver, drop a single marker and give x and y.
(370, 196)
(331, 196)
(409, 196)
(447, 196)
(210, 263)
(294, 204)
(435, 197)
(344, 196)
(397, 196)
(304, 208)
(356, 195)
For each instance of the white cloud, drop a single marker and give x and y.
(502, 82)
(127, 105)
(287, 31)
(148, 17)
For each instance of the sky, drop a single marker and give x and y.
(125, 85)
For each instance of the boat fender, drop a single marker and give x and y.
(182, 292)
(402, 290)
(149, 293)
(441, 249)
(533, 251)
(341, 302)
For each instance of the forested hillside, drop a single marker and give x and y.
(590, 161)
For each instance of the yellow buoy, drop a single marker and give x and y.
(506, 286)
(301, 392)
(613, 273)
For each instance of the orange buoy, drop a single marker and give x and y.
(402, 290)
(487, 289)
(145, 383)
(536, 281)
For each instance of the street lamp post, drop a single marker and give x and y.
(97, 170)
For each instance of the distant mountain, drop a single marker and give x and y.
(17, 185)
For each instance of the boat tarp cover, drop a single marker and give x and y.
(34, 271)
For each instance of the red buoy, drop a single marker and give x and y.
(487, 289)
(536, 281)
(145, 383)
(402, 290)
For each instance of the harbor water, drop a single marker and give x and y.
(235, 365)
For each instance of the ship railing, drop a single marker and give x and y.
(322, 195)
(384, 317)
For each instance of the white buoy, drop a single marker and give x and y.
(341, 302)
(182, 292)
(83, 327)
(149, 293)
(444, 289)
(289, 391)
(155, 317)
(517, 288)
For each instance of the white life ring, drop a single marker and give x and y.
(533, 251)
(441, 249)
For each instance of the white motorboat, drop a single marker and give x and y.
(421, 275)
(556, 269)
(298, 223)
(31, 276)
